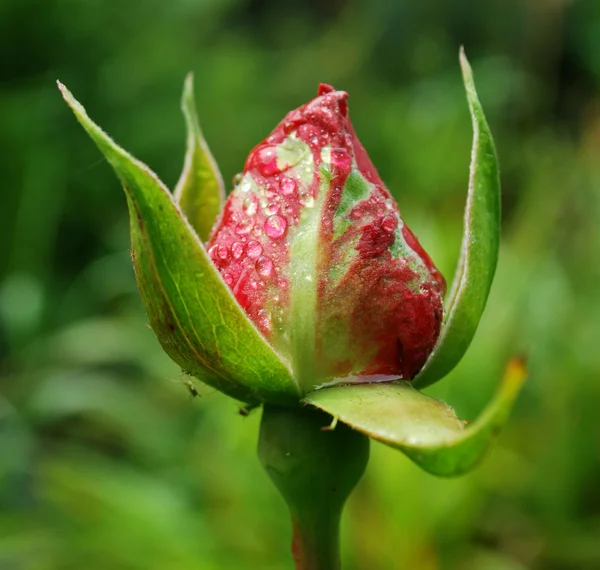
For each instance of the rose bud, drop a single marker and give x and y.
(311, 290)
(314, 249)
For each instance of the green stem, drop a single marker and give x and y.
(315, 470)
(316, 543)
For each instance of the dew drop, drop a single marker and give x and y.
(228, 279)
(254, 250)
(237, 178)
(282, 283)
(213, 251)
(237, 250)
(244, 227)
(436, 287)
(249, 205)
(222, 252)
(265, 161)
(272, 208)
(275, 226)
(264, 320)
(287, 186)
(388, 224)
(341, 160)
(246, 185)
(356, 213)
(307, 200)
(264, 266)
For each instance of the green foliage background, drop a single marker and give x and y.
(106, 462)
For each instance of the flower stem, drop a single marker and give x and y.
(315, 543)
(314, 469)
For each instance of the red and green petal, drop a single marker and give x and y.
(315, 250)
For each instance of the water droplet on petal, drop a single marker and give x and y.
(264, 266)
(246, 185)
(222, 252)
(237, 178)
(388, 224)
(264, 320)
(356, 213)
(275, 226)
(228, 279)
(254, 250)
(265, 161)
(244, 227)
(307, 200)
(213, 251)
(249, 205)
(237, 250)
(282, 283)
(341, 161)
(287, 186)
(272, 208)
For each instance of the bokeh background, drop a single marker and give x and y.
(106, 461)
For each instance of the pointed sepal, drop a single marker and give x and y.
(200, 191)
(425, 429)
(468, 294)
(195, 317)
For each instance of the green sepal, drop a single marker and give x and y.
(200, 191)
(425, 429)
(479, 251)
(195, 317)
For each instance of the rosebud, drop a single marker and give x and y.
(314, 249)
(311, 289)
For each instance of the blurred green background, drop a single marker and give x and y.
(106, 462)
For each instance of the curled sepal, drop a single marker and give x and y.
(425, 429)
(479, 251)
(200, 191)
(192, 312)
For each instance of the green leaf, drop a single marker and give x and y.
(479, 253)
(200, 191)
(425, 429)
(197, 320)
